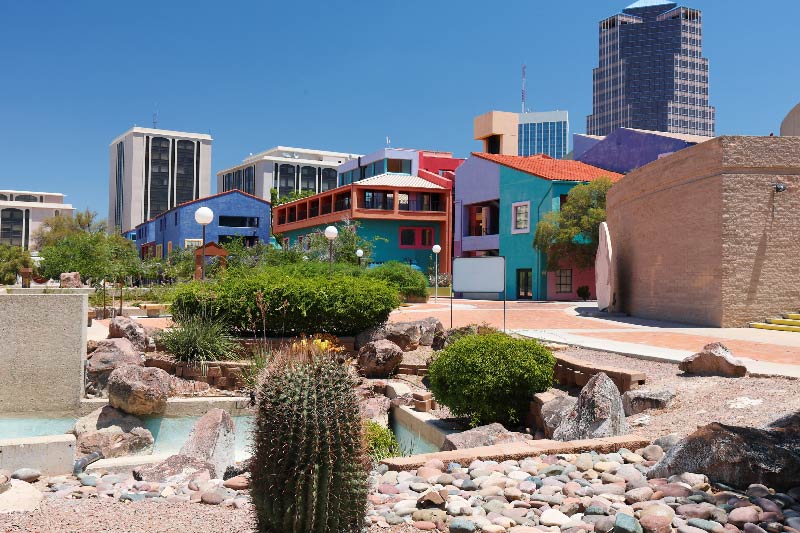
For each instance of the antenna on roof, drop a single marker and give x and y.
(388, 141)
(524, 68)
(155, 120)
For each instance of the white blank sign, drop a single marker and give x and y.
(479, 274)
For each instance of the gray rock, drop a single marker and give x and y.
(462, 525)
(379, 359)
(624, 523)
(554, 411)
(407, 335)
(598, 412)
(109, 355)
(178, 468)
(70, 280)
(111, 432)
(714, 360)
(739, 456)
(638, 400)
(213, 440)
(20, 497)
(667, 441)
(28, 475)
(481, 436)
(139, 390)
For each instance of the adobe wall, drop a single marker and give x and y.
(665, 221)
(42, 349)
(701, 237)
(761, 229)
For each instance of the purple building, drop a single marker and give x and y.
(627, 149)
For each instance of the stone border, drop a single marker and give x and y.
(52, 455)
(423, 424)
(518, 450)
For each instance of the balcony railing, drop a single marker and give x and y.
(417, 205)
(479, 230)
(326, 209)
(377, 204)
(313, 211)
(343, 203)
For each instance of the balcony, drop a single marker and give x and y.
(420, 205)
(482, 230)
(342, 204)
(385, 205)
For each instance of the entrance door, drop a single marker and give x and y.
(524, 284)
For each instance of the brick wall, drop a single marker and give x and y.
(694, 237)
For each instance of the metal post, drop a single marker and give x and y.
(203, 264)
(436, 282)
(330, 255)
(359, 262)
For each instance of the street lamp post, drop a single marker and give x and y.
(203, 216)
(331, 233)
(436, 249)
(359, 254)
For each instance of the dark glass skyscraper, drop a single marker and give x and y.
(652, 74)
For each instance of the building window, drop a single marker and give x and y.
(159, 251)
(159, 176)
(119, 180)
(308, 179)
(26, 198)
(192, 243)
(328, 179)
(286, 178)
(3, 197)
(416, 238)
(176, 217)
(378, 200)
(184, 172)
(520, 217)
(249, 185)
(238, 222)
(564, 280)
(169, 248)
(11, 222)
(398, 165)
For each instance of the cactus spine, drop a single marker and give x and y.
(309, 466)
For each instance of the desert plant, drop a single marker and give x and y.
(583, 292)
(381, 442)
(12, 259)
(490, 378)
(196, 339)
(407, 280)
(309, 466)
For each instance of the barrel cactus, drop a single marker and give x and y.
(309, 466)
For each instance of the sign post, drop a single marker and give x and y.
(480, 275)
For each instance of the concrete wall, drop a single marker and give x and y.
(701, 237)
(43, 339)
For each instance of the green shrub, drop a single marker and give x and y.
(309, 466)
(291, 304)
(199, 338)
(490, 378)
(407, 280)
(381, 442)
(583, 292)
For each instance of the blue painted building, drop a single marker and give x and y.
(627, 149)
(236, 215)
(499, 201)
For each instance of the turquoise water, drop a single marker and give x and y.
(410, 441)
(169, 433)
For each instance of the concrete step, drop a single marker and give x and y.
(776, 327)
(783, 321)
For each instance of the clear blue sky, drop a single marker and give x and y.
(331, 75)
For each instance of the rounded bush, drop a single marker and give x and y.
(277, 303)
(407, 280)
(490, 378)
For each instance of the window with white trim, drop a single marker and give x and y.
(521, 217)
(564, 280)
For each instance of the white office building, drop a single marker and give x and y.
(285, 169)
(22, 212)
(153, 171)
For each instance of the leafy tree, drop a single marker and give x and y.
(344, 246)
(93, 255)
(573, 232)
(55, 228)
(12, 259)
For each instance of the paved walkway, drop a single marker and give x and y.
(764, 351)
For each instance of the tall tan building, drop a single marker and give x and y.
(153, 171)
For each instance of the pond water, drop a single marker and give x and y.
(410, 441)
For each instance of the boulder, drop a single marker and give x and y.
(738, 456)
(554, 411)
(187, 387)
(123, 327)
(212, 440)
(376, 408)
(70, 280)
(139, 390)
(379, 359)
(111, 432)
(407, 335)
(175, 468)
(109, 355)
(597, 413)
(481, 436)
(639, 400)
(20, 497)
(714, 360)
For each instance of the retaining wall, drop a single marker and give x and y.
(42, 349)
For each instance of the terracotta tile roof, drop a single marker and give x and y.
(545, 167)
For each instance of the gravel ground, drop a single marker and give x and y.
(702, 400)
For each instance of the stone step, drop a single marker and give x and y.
(793, 316)
(776, 327)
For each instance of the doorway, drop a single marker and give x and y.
(524, 284)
